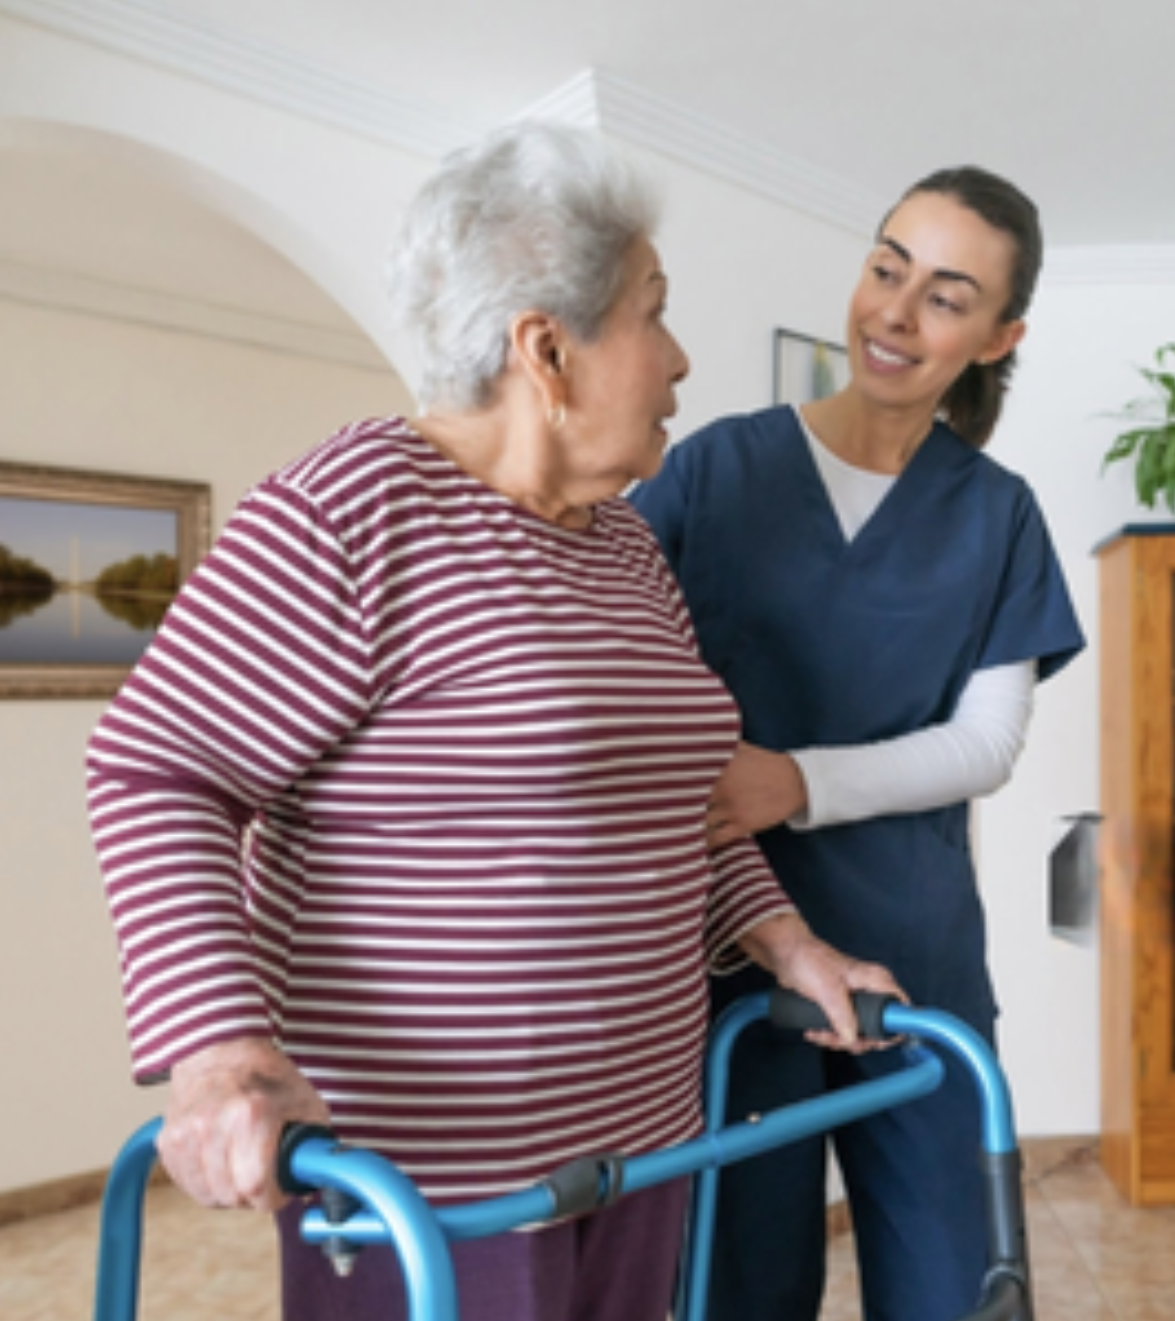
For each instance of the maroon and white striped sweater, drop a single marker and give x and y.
(413, 782)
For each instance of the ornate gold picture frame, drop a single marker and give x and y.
(89, 563)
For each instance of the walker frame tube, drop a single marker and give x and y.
(1006, 1295)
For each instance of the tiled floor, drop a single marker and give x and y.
(1094, 1258)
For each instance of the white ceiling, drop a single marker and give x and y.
(1073, 101)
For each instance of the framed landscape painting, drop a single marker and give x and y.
(89, 563)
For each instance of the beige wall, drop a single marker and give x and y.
(87, 392)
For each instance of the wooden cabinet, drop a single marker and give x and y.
(1137, 632)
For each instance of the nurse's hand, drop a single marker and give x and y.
(757, 790)
(228, 1106)
(786, 947)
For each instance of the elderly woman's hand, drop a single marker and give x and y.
(786, 947)
(228, 1106)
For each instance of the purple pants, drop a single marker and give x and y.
(617, 1265)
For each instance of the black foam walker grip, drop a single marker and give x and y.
(293, 1135)
(791, 1011)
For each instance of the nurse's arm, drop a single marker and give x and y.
(757, 790)
(970, 755)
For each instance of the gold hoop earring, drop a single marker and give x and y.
(557, 416)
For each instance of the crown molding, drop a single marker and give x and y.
(593, 99)
(576, 101)
(1143, 263)
(598, 99)
(71, 292)
(258, 70)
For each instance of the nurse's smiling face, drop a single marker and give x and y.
(930, 301)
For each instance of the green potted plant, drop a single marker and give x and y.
(1150, 440)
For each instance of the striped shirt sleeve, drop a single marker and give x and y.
(261, 665)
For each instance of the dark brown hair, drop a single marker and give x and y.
(973, 403)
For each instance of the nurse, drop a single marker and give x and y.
(881, 598)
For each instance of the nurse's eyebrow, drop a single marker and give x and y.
(943, 273)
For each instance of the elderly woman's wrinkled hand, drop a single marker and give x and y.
(786, 947)
(228, 1106)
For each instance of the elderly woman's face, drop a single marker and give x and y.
(621, 386)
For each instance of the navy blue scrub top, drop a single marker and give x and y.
(826, 642)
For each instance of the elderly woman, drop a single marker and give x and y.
(402, 816)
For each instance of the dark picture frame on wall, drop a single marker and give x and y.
(89, 563)
(804, 368)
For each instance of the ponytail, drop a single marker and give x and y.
(974, 401)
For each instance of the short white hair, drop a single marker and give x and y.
(536, 217)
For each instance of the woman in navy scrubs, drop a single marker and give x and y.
(881, 598)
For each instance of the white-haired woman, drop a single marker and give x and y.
(402, 816)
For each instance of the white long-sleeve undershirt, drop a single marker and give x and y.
(969, 755)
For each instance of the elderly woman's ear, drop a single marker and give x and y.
(539, 346)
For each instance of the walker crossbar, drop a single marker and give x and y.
(537, 1203)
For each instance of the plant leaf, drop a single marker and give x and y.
(1167, 475)
(1151, 446)
(1164, 383)
(1125, 444)
(1148, 474)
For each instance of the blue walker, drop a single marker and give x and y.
(366, 1199)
